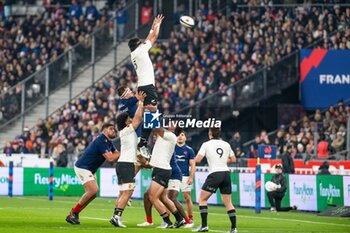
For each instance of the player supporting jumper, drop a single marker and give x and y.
(128, 103)
(125, 166)
(185, 159)
(174, 189)
(162, 153)
(86, 166)
(218, 153)
(170, 194)
(145, 74)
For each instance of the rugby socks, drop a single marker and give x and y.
(166, 218)
(144, 137)
(118, 211)
(149, 219)
(190, 217)
(188, 220)
(204, 215)
(232, 216)
(77, 208)
(177, 215)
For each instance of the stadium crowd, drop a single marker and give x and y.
(300, 138)
(189, 66)
(28, 43)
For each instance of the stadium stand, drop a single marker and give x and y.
(192, 65)
(321, 135)
(28, 43)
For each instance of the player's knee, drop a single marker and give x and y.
(202, 201)
(151, 197)
(173, 198)
(187, 197)
(93, 191)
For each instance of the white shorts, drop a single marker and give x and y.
(184, 186)
(84, 175)
(127, 186)
(174, 185)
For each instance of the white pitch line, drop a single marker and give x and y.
(93, 218)
(85, 228)
(285, 219)
(61, 201)
(244, 216)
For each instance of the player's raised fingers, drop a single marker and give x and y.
(142, 93)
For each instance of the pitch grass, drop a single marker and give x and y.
(37, 214)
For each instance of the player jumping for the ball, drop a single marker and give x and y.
(145, 74)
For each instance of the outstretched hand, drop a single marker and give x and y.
(159, 19)
(140, 96)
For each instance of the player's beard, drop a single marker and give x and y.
(112, 136)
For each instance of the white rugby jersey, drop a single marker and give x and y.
(163, 150)
(128, 144)
(217, 153)
(143, 64)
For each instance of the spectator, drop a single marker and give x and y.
(61, 156)
(235, 141)
(324, 169)
(91, 13)
(264, 138)
(279, 141)
(180, 11)
(300, 152)
(122, 18)
(8, 149)
(75, 10)
(16, 149)
(322, 148)
(338, 143)
(287, 161)
(254, 147)
(146, 13)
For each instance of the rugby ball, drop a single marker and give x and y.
(270, 186)
(187, 21)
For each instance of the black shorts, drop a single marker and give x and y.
(125, 172)
(217, 180)
(161, 176)
(151, 92)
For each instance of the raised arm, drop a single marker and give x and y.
(136, 121)
(154, 32)
(158, 131)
